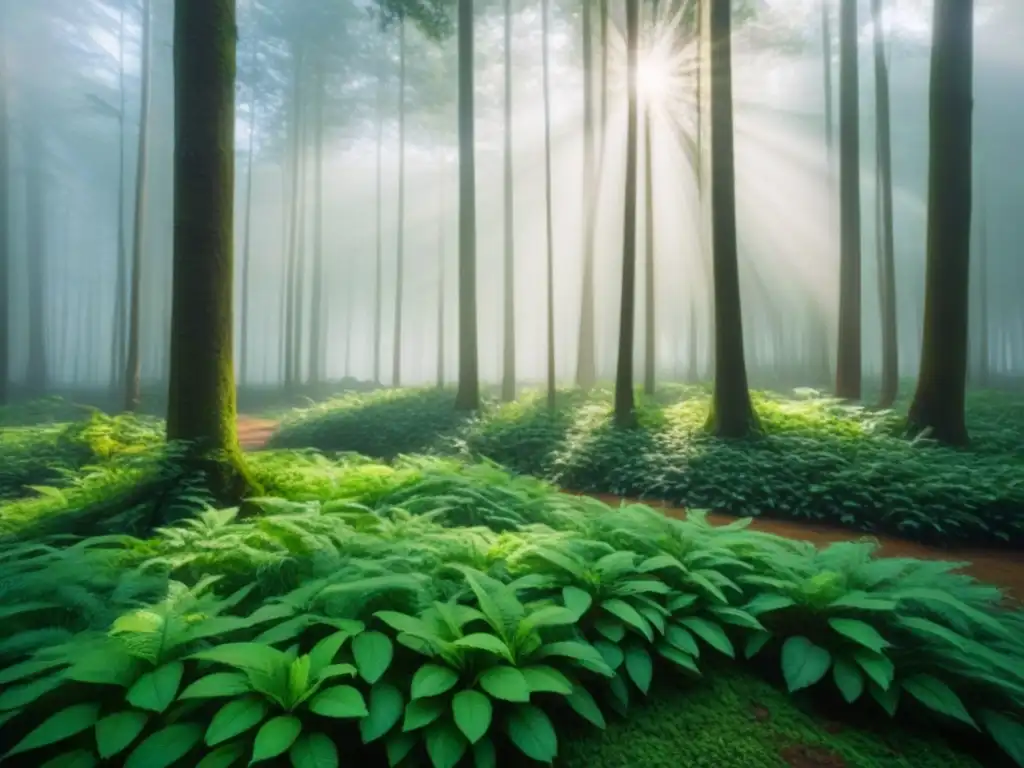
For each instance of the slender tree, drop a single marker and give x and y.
(316, 320)
(731, 412)
(440, 275)
(379, 254)
(886, 240)
(548, 222)
(585, 363)
(201, 396)
(625, 407)
(984, 331)
(396, 370)
(5, 300)
(243, 368)
(133, 366)
(938, 404)
(508, 373)
(848, 356)
(120, 331)
(468, 396)
(36, 249)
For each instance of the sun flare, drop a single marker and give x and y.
(653, 76)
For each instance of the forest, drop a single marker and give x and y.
(481, 383)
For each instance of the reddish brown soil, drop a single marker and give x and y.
(1004, 569)
(803, 756)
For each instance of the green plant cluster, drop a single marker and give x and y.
(816, 459)
(50, 453)
(358, 612)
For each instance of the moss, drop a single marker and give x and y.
(735, 720)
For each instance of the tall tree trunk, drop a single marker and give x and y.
(298, 374)
(396, 369)
(120, 331)
(508, 372)
(316, 319)
(468, 396)
(548, 223)
(379, 255)
(294, 224)
(441, 277)
(35, 200)
(731, 412)
(938, 403)
(984, 331)
(133, 366)
(586, 372)
(201, 397)
(625, 409)
(5, 241)
(887, 282)
(848, 355)
(243, 368)
(650, 345)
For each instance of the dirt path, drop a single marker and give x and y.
(1005, 569)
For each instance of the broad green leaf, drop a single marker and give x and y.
(584, 653)
(610, 652)
(285, 630)
(613, 629)
(235, 717)
(373, 653)
(275, 737)
(849, 679)
(483, 641)
(767, 602)
(530, 729)
(105, 665)
(155, 690)
(506, 683)
(937, 696)
(420, 713)
(862, 601)
(585, 706)
(622, 610)
(19, 696)
(321, 656)
(255, 657)
(384, 710)
(1008, 733)
(878, 667)
(298, 680)
(399, 745)
(803, 662)
(18, 672)
(736, 617)
(755, 643)
(577, 600)
(472, 711)
(339, 701)
(544, 679)
(80, 758)
(58, 727)
(681, 638)
(401, 622)
(861, 633)
(551, 616)
(433, 680)
(217, 685)
(888, 699)
(115, 732)
(678, 657)
(223, 756)
(681, 602)
(639, 667)
(313, 750)
(445, 744)
(711, 633)
(166, 746)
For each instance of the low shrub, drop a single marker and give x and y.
(370, 616)
(817, 460)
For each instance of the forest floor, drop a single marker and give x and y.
(1003, 569)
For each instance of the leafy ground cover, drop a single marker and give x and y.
(433, 611)
(817, 460)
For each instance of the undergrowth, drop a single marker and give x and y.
(817, 459)
(433, 613)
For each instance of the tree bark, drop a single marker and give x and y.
(586, 372)
(848, 355)
(379, 254)
(441, 276)
(5, 243)
(117, 352)
(396, 370)
(887, 280)
(243, 368)
(201, 395)
(294, 224)
(938, 404)
(508, 372)
(133, 365)
(316, 336)
(650, 343)
(35, 237)
(625, 407)
(468, 396)
(732, 415)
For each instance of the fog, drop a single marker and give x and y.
(73, 128)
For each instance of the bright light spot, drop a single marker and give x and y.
(654, 75)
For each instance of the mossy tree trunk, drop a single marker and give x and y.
(848, 352)
(731, 412)
(508, 368)
(938, 404)
(625, 405)
(468, 395)
(201, 396)
(133, 363)
(243, 347)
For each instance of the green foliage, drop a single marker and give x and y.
(817, 460)
(341, 617)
